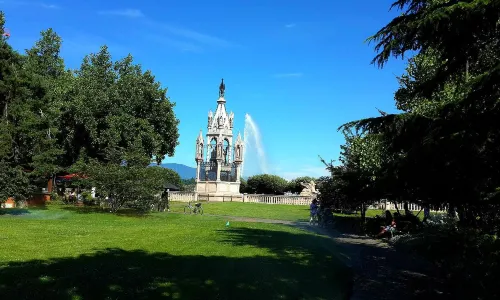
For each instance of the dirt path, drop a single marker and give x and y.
(381, 272)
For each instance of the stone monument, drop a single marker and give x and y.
(309, 189)
(218, 159)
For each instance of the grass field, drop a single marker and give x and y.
(74, 253)
(251, 210)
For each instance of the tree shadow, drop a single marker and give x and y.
(281, 243)
(13, 211)
(121, 274)
(125, 212)
(381, 272)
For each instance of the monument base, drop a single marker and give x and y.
(218, 191)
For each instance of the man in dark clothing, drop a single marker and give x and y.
(164, 201)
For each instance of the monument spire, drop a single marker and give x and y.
(222, 89)
(218, 158)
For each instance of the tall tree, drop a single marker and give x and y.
(117, 106)
(355, 183)
(450, 94)
(46, 75)
(13, 178)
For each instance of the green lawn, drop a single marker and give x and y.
(251, 210)
(74, 253)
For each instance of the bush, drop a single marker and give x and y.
(468, 258)
(267, 184)
(87, 199)
(295, 185)
(55, 199)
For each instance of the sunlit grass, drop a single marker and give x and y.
(251, 210)
(66, 252)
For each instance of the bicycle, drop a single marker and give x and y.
(196, 209)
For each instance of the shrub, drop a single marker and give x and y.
(468, 258)
(87, 199)
(55, 199)
(266, 184)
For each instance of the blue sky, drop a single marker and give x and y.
(299, 68)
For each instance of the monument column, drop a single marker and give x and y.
(219, 166)
(238, 173)
(219, 157)
(198, 170)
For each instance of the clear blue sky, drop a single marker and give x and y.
(299, 68)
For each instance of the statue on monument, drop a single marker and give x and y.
(220, 121)
(219, 150)
(210, 117)
(238, 152)
(231, 120)
(222, 88)
(226, 150)
(200, 150)
(309, 189)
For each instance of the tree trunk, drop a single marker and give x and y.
(397, 209)
(363, 216)
(406, 208)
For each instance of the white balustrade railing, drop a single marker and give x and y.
(277, 199)
(387, 205)
(182, 196)
(289, 200)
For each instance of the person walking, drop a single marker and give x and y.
(313, 208)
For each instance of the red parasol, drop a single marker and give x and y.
(72, 176)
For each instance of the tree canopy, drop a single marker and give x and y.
(266, 184)
(442, 148)
(106, 112)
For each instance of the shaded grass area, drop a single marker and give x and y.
(62, 254)
(251, 210)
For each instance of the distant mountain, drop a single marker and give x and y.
(184, 171)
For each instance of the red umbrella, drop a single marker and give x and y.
(71, 176)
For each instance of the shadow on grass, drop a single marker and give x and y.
(282, 243)
(348, 224)
(125, 212)
(13, 211)
(296, 272)
(382, 272)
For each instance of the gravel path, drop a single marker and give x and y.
(382, 273)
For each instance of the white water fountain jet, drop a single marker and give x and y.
(251, 132)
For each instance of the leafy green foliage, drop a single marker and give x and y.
(266, 184)
(14, 182)
(55, 120)
(188, 185)
(294, 186)
(118, 106)
(443, 149)
(468, 259)
(449, 95)
(134, 186)
(354, 184)
(243, 186)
